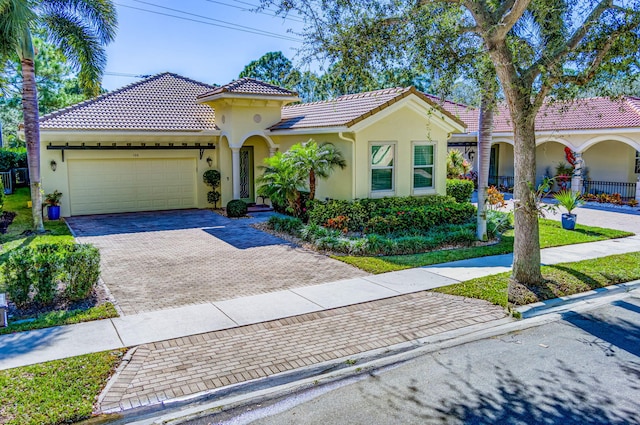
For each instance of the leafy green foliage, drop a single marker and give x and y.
(289, 225)
(401, 213)
(457, 166)
(287, 174)
(81, 266)
(33, 274)
(273, 68)
(460, 189)
(236, 208)
(568, 199)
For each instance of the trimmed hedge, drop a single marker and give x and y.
(361, 211)
(236, 208)
(461, 190)
(392, 215)
(41, 273)
(10, 159)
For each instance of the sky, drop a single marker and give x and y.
(212, 42)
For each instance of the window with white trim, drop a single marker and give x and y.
(423, 166)
(382, 164)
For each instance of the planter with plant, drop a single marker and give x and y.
(569, 201)
(564, 172)
(52, 200)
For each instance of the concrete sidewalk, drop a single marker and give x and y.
(38, 346)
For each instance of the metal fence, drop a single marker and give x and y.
(7, 182)
(626, 190)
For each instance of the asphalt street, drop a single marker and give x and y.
(583, 369)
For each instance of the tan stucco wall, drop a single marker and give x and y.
(505, 159)
(59, 180)
(339, 183)
(610, 161)
(404, 126)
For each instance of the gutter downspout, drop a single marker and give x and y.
(353, 156)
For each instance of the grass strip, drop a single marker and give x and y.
(551, 234)
(64, 317)
(60, 391)
(560, 280)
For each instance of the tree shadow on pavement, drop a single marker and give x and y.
(562, 397)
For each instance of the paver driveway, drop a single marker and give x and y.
(158, 260)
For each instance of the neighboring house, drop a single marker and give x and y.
(605, 133)
(145, 146)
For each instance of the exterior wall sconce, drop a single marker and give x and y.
(209, 161)
(54, 165)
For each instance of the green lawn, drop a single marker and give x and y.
(551, 234)
(61, 391)
(56, 231)
(561, 280)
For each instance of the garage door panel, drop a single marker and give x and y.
(107, 186)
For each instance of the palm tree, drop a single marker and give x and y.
(316, 161)
(81, 29)
(485, 131)
(281, 182)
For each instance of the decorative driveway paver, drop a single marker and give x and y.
(191, 365)
(158, 260)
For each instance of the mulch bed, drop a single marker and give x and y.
(5, 220)
(97, 297)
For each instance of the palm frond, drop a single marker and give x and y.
(99, 15)
(15, 17)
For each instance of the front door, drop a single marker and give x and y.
(246, 175)
(493, 166)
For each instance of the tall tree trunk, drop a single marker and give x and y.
(312, 185)
(485, 130)
(526, 246)
(31, 126)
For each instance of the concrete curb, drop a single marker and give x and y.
(257, 391)
(565, 303)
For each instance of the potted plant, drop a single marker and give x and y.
(568, 200)
(563, 175)
(52, 200)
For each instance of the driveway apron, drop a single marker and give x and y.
(159, 260)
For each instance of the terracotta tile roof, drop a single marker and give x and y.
(163, 102)
(345, 110)
(249, 86)
(582, 114)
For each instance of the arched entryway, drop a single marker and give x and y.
(612, 165)
(248, 158)
(501, 164)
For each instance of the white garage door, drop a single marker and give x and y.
(109, 186)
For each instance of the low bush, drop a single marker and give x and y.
(459, 189)
(82, 267)
(290, 225)
(41, 273)
(363, 215)
(236, 208)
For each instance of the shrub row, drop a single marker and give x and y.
(374, 244)
(358, 213)
(41, 273)
(460, 189)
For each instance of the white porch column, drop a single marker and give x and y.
(235, 167)
(576, 178)
(272, 151)
(638, 190)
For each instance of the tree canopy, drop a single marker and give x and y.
(539, 49)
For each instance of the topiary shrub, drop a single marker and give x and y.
(212, 179)
(236, 208)
(461, 190)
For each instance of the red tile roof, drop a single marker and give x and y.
(581, 114)
(249, 86)
(345, 110)
(163, 102)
